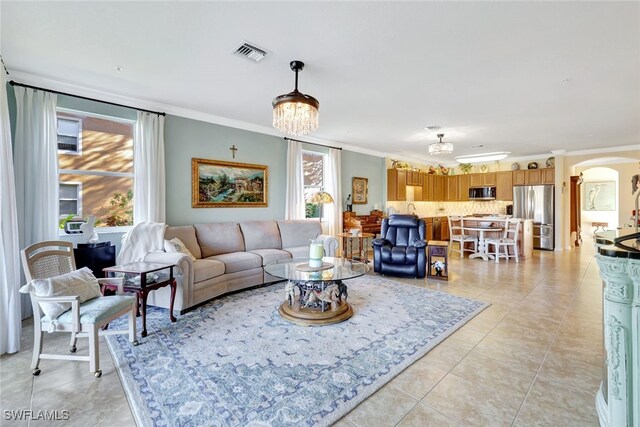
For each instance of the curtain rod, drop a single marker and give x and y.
(14, 83)
(312, 143)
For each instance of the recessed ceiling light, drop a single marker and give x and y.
(432, 128)
(118, 68)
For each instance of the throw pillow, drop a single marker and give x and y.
(176, 245)
(79, 282)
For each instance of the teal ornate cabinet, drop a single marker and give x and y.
(618, 399)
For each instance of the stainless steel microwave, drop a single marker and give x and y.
(482, 193)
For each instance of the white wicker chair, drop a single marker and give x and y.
(509, 238)
(456, 234)
(53, 258)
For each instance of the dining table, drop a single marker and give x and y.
(482, 248)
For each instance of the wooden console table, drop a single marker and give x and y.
(363, 247)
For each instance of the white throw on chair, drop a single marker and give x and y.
(509, 238)
(456, 234)
(68, 300)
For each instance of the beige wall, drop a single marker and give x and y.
(569, 169)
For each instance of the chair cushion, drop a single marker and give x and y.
(187, 235)
(204, 269)
(219, 238)
(79, 282)
(175, 245)
(97, 310)
(261, 235)
(271, 255)
(464, 237)
(238, 261)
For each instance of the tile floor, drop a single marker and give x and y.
(532, 358)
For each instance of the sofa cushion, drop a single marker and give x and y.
(261, 235)
(271, 255)
(238, 261)
(298, 251)
(296, 233)
(204, 269)
(219, 238)
(187, 235)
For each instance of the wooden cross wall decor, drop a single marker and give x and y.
(233, 150)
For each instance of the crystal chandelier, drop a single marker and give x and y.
(295, 113)
(440, 147)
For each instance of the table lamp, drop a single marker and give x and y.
(316, 249)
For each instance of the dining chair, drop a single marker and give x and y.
(509, 239)
(54, 261)
(456, 234)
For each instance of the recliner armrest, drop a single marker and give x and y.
(380, 242)
(419, 244)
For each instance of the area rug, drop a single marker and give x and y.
(234, 361)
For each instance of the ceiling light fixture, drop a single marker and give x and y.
(295, 113)
(440, 147)
(480, 158)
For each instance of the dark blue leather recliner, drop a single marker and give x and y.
(401, 249)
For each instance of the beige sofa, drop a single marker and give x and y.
(231, 256)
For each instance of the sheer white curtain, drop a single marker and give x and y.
(36, 170)
(294, 208)
(333, 186)
(10, 325)
(148, 168)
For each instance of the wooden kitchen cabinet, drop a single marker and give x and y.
(396, 185)
(504, 185)
(475, 180)
(439, 188)
(430, 232)
(519, 177)
(548, 176)
(451, 188)
(487, 179)
(414, 178)
(534, 177)
(463, 188)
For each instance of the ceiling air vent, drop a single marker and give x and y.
(250, 52)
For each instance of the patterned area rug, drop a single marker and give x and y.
(234, 361)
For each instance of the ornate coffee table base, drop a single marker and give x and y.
(317, 303)
(314, 317)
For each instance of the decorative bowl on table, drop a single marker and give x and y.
(485, 223)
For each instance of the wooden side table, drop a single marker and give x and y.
(437, 262)
(141, 278)
(364, 241)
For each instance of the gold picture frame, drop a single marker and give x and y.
(360, 190)
(218, 184)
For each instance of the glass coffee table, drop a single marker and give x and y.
(318, 297)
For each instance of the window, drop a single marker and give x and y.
(313, 165)
(70, 200)
(97, 179)
(69, 134)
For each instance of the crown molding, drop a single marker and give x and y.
(633, 147)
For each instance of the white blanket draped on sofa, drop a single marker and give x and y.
(140, 240)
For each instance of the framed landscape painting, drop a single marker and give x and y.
(218, 184)
(360, 190)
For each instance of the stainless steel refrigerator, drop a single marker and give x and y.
(537, 202)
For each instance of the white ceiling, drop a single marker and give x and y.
(521, 77)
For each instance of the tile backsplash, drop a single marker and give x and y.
(424, 209)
